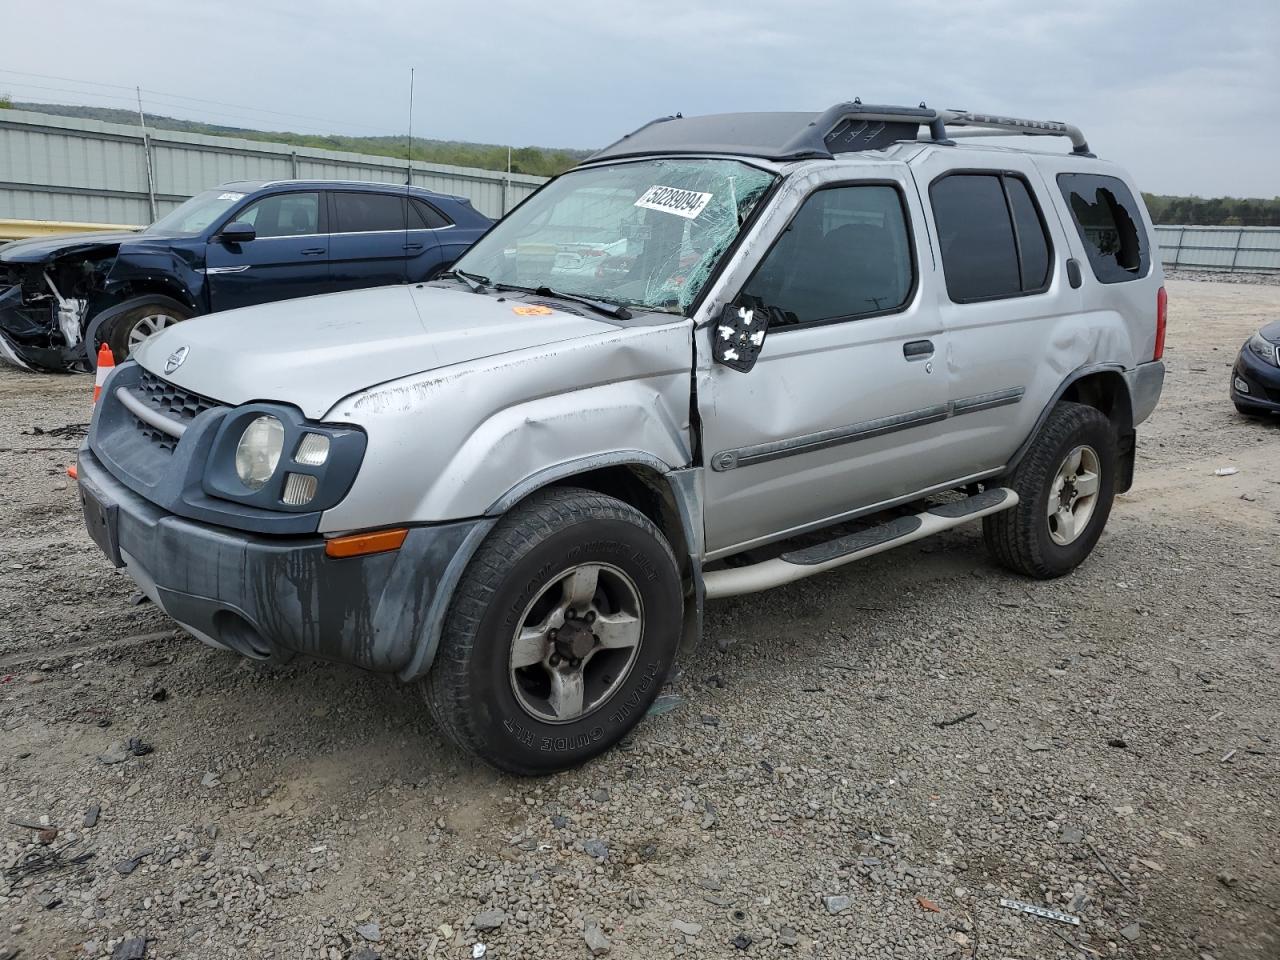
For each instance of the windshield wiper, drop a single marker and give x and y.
(477, 283)
(616, 310)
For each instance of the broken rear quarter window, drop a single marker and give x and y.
(1110, 225)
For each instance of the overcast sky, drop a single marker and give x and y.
(1184, 94)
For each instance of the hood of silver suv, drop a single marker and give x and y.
(314, 351)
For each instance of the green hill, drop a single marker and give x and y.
(538, 161)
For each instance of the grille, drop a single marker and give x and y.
(173, 402)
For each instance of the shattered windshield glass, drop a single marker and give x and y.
(192, 217)
(645, 234)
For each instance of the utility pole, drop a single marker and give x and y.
(409, 173)
(146, 149)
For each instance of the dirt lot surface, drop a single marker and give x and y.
(861, 764)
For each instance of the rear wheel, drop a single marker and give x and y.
(1066, 484)
(560, 633)
(140, 322)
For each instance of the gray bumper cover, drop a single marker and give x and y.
(263, 596)
(1146, 381)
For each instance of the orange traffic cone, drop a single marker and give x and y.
(106, 363)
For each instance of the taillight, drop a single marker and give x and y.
(1162, 315)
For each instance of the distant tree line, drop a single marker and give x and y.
(1214, 212)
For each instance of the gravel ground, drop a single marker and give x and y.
(861, 764)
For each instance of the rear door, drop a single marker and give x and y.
(429, 242)
(1006, 302)
(843, 408)
(288, 258)
(370, 239)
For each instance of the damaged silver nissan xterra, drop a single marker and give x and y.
(723, 354)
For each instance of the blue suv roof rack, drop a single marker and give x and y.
(842, 128)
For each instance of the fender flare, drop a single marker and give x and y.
(90, 338)
(1126, 430)
(685, 488)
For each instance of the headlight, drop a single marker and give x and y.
(258, 452)
(269, 456)
(1264, 349)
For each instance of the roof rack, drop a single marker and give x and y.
(993, 126)
(842, 128)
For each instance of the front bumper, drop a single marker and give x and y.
(268, 596)
(1262, 379)
(28, 341)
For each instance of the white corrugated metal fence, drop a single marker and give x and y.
(60, 168)
(1219, 248)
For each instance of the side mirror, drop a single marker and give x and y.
(736, 338)
(237, 232)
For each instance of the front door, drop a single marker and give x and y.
(288, 257)
(850, 392)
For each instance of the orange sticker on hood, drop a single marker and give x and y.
(532, 310)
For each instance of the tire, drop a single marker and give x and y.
(1027, 539)
(529, 573)
(127, 330)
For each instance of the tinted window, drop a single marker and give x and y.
(284, 215)
(1033, 245)
(992, 236)
(979, 256)
(368, 212)
(425, 215)
(1110, 225)
(847, 253)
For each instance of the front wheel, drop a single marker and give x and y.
(141, 321)
(1066, 483)
(560, 634)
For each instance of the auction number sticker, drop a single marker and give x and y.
(231, 196)
(532, 310)
(683, 203)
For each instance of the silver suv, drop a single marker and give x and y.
(723, 354)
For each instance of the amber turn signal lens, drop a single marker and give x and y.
(359, 544)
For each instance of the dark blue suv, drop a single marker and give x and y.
(240, 244)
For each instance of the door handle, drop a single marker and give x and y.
(413, 246)
(312, 251)
(918, 349)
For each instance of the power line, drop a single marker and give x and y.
(169, 95)
(87, 98)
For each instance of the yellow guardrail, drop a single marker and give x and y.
(22, 229)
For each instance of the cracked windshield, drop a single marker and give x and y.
(644, 234)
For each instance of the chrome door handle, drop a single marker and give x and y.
(918, 349)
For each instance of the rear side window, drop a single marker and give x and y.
(425, 216)
(992, 234)
(1110, 225)
(846, 254)
(368, 212)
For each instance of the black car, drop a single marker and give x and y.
(240, 244)
(1255, 381)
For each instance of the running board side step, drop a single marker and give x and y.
(798, 564)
